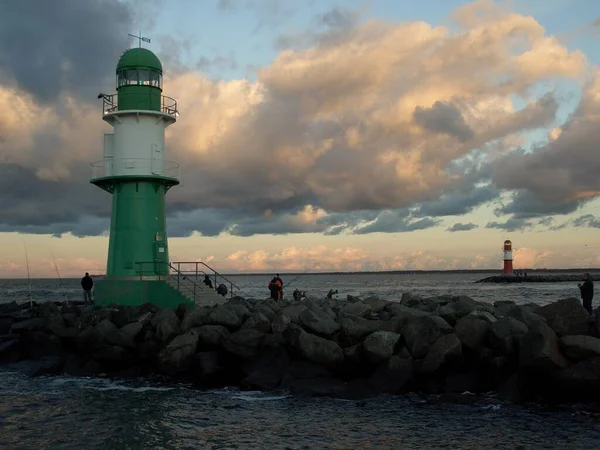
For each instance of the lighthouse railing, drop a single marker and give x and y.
(194, 269)
(114, 167)
(168, 105)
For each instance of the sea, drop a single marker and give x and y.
(61, 412)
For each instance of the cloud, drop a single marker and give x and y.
(511, 225)
(381, 127)
(462, 227)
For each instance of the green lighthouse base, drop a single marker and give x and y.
(136, 292)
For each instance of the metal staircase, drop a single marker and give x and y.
(187, 278)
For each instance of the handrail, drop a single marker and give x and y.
(168, 105)
(183, 276)
(216, 274)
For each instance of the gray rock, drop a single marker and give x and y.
(391, 376)
(354, 353)
(357, 309)
(210, 336)
(243, 343)
(375, 303)
(281, 323)
(88, 338)
(314, 348)
(267, 370)
(36, 323)
(48, 310)
(472, 332)
(60, 329)
(126, 335)
(539, 350)
(445, 349)
(504, 334)
(578, 347)
(179, 353)
(258, 321)
(566, 317)
(167, 325)
(420, 334)
(318, 324)
(5, 324)
(354, 331)
(194, 317)
(106, 330)
(483, 315)
(524, 314)
(380, 345)
(223, 315)
(264, 310)
(292, 312)
(240, 309)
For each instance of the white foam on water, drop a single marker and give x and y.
(99, 384)
(260, 398)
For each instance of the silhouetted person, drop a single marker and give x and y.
(222, 290)
(587, 293)
(275, 288)
(87, 284)
(207, 281)
(280, 281)
(297, 294)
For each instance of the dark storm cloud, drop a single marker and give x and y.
(443, 118)
(462, 227)
(393, 222)
(511, 225)
(457, 203)
(27, 200)
(587, 220)
(47, 46)
(524, 205)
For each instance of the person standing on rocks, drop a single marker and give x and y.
(587, 293)
(87, 284)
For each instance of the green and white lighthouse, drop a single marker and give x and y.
(135, 171)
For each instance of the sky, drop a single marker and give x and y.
(324, 135)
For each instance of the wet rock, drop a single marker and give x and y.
(280, 323)
(472, 332)
(166, 324)
(107, 330)
(179, 353)
(292, 312)
(48, 365)
(7, 308)
(264, 310)
(88, 338)
(504, 335)
(268, 369)
(258, 321)
(243, 343)
(581, 380)
(580, 347)
(354, 331)
(455, 309)
(380, 345)
(391, 376)
(420, 334)
(566, 317)
(318, 324)
(112, 357)
(539, 350)
(126, 336)
(483, 315)
(445, 349)
(194, 317)
(375, 303)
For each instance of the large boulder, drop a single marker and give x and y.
(280, 323)
(472, 332)
(225, 316)
(167, 325)
(194, 317)
(292, 312)
(318, 323)
(264, 310)
(380, 345)
(391, 376)
(36, 323)
(258, 321)
(455, 309)
(582, 378)
(504, 335)
(126, 336)
(523, 314)
(447, 348)
(580, 347)
(420, 334)
(179, 353)
(210, 336)
(539, 350)
(354, 331)
(566, 317)
(267, 370)
(404, 312)
(375, 303)
(243, 343)
(314, 348)
(355, 309)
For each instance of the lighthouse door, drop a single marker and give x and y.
(158, 160)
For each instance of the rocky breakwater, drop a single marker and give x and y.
(352, 348)
(549, 278)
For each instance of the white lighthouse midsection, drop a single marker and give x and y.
(137, 145)
(508, 256)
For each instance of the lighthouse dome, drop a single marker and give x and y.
(140, 58)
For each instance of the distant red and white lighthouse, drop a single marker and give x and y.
(508, 258)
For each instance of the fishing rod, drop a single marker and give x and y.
(301, 275)
(28, 276)
(60, 279)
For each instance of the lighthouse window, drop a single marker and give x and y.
(144, 77)
(155, 79)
